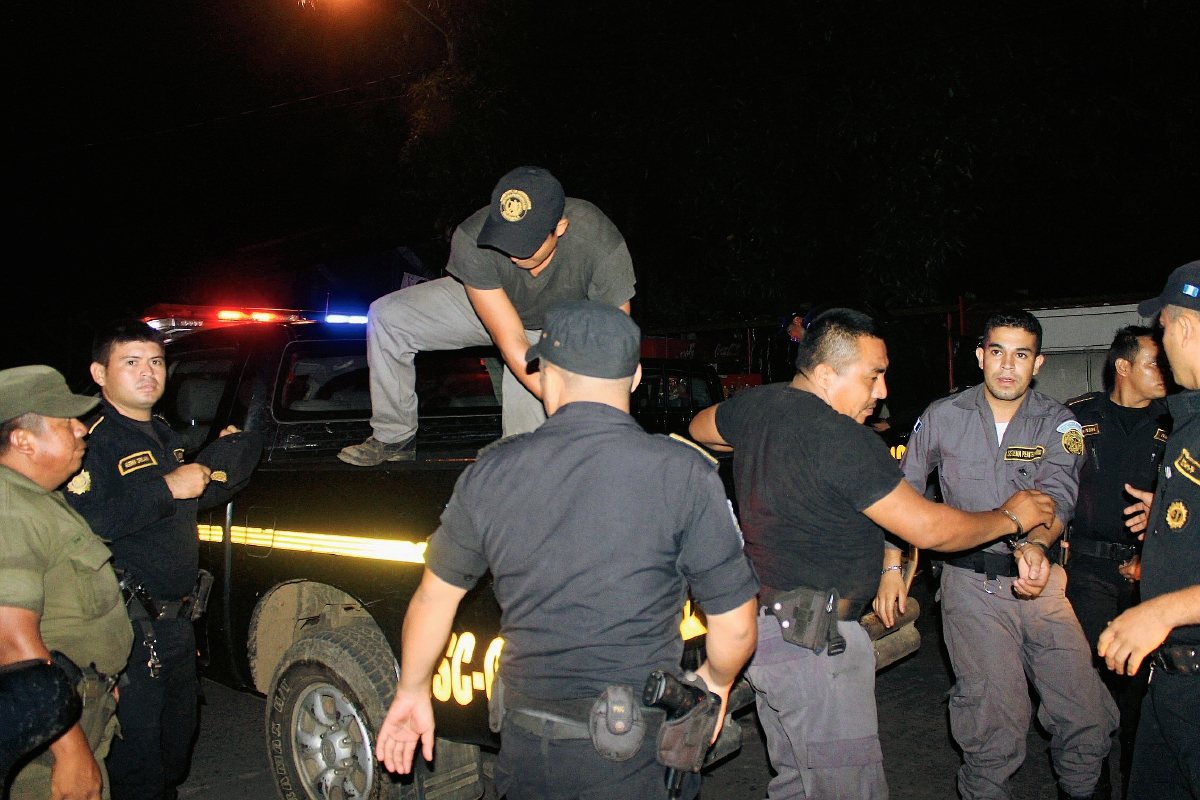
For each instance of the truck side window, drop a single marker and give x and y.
(196, 383)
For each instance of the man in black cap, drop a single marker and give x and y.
(511, 261)
(1165, 626)
(57, 588)
(137, 493)
(593, 530)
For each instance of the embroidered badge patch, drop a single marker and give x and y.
(1024, 453)
(80, 483)
(219, 476)
(1188, 467)
(1160, 435)
(133, 463)
(1177, 515)
(178, 451)
(514, 204)
(1091, 430)
(1072, 442)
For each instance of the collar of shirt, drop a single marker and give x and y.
(10, 475)
(1184, 404)
(111, 414)
(583, 412)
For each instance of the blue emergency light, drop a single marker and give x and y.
(347, 319)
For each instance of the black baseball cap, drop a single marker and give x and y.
(1182, 289)
(527, 204)
(589, 338)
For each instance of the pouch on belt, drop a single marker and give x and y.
(616, 723)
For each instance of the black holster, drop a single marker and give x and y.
(808, 618)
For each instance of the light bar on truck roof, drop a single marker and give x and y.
(175, 319)
(344, 319)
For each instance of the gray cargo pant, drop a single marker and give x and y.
(818, 712)
(995, 641)
(430, 316)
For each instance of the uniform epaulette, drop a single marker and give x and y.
(96, 424)
(707, 455)
(516, 437)
(1074, 401)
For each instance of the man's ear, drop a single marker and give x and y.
(1037, 363)
(19, 441)
(1123, 366)
(822, 376)
(99, 373)
(637, 378)
(561, 228)
(979, 356)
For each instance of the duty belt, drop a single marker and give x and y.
(1178, 660)
(1110, 551)
(848, 608)
(563, 719)
(993, 565)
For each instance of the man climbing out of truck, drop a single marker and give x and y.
(511, 261)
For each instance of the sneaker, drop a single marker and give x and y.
(373, 452)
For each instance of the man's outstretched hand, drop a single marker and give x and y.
(408, 721)
(1140, 510)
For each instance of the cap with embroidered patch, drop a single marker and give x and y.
(1182, 289)
(589, 338)
(39, 389)
(527, 205)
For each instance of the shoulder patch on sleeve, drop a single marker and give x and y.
(707, 455)
(96, 424)
(178, 451)
(1072, 437)
(1160, 435)
(496, 445)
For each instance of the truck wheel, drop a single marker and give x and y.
(328, 698)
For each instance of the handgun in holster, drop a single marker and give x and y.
(692, 716)
(808, 618)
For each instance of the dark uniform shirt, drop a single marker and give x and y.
(1171, 554)
(1122, 445)
(593, 530)
(122, 494)
(804, 474)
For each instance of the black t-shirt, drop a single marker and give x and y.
(591, 262)
(803, 475)
(593, 529)
(1171, 555)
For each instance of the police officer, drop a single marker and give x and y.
(1125, 429)
(1165, 626)
(138, 494)
(593, 530)
(57, 589)
(986, 441)
(817, 488)
(511, 261)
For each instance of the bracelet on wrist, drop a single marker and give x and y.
(886, 570)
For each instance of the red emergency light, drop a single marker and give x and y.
(174, 319)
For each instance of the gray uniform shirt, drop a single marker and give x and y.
(1042, 449)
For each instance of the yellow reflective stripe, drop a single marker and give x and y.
(327, 543)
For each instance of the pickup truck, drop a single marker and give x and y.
(315, 561)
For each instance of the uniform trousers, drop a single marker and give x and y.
(435, 315)
(158, 716)
(1166, 757)
(1099, 594)
(997, 642)
(819, 714)
(532, 767)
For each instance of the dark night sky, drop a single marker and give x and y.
(757, 157)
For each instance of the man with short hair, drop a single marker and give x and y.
(593, 530)
(138, 494)
(816, 489)
(1125, 429)
(57, 589)
(1165, 626)
(1000, 628)
(510, 262)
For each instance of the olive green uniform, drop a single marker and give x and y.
(52, 564)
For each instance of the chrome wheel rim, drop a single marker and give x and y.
(331, 744)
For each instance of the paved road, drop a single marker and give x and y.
(919, 756)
